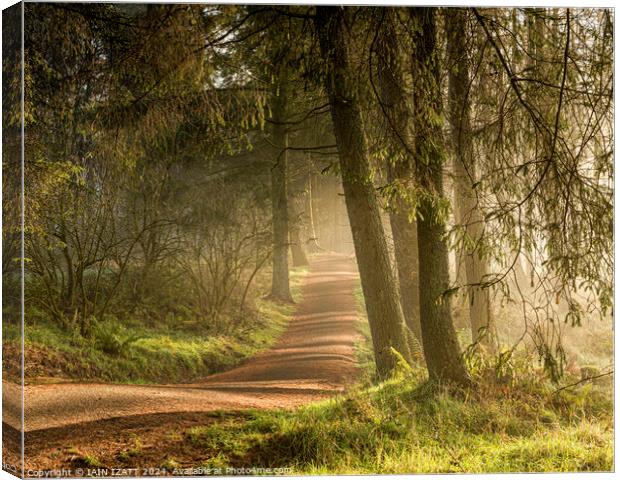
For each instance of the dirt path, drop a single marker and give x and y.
(312, 360)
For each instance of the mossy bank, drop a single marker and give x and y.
(130, 352)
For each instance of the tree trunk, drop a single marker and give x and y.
(337, 231)
(400, 171)
(378, 283)
(280, 289)
(312, 242)
(441, 348)
(297, 249)
(466, 207)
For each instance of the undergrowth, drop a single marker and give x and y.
(139, 352)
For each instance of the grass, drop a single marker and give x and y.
(406, 425)
(132, 353)
(79, 458)
(132, 451)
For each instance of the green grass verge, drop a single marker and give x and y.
(409, 426)
(404, 426)
(135, 354)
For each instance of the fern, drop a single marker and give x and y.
(112, 338)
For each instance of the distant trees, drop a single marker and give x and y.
(296, 221)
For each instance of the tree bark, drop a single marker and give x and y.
(336, 230)
(466, 206)
(400, 170)
(280, 289)
(378, 283)
(298, 253)
(313, 241)
(441, 348)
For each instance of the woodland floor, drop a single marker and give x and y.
(314, 359)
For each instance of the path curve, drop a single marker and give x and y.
(313, 359)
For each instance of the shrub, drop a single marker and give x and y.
(112, 338)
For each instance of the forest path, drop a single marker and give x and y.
(312, 360)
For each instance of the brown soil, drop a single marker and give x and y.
(314, 359)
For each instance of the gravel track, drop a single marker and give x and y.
(312, 360)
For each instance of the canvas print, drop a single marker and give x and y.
(306, 239)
